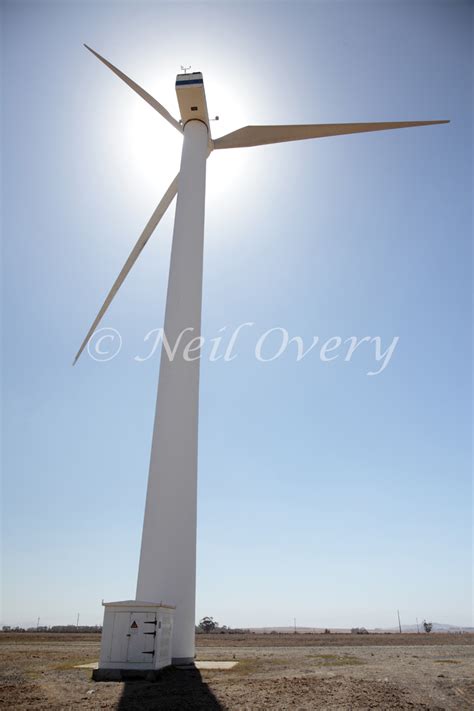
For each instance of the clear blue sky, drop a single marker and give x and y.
(324, 494)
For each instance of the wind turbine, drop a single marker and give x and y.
(167, 569)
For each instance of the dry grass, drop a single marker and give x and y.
(306, 672)
(334, 660)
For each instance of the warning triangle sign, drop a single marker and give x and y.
(134, 625)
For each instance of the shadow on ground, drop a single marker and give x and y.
(174, 690)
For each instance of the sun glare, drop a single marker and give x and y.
(153, 147)
(145, 151)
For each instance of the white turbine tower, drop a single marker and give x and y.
(167, 570)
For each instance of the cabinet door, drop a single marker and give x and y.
(141, 642)
(121, 624)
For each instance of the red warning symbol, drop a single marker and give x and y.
(134, 625)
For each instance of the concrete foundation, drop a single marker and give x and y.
(125, 674)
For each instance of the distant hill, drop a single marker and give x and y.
(437, 627)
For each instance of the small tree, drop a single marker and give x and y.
(208, 624)
(427, 626)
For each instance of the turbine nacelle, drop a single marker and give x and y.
(192, 98)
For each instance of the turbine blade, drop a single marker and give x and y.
(263, 135)
(142, 240)
(141, 92)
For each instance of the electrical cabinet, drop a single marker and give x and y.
(136, 635)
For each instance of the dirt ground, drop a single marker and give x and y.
(286, 671)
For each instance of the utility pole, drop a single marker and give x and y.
(294, 619)
(417, 626)
(399, 624)
(77, 622)
(37, 624)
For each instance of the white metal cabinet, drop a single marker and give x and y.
(136, 635)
